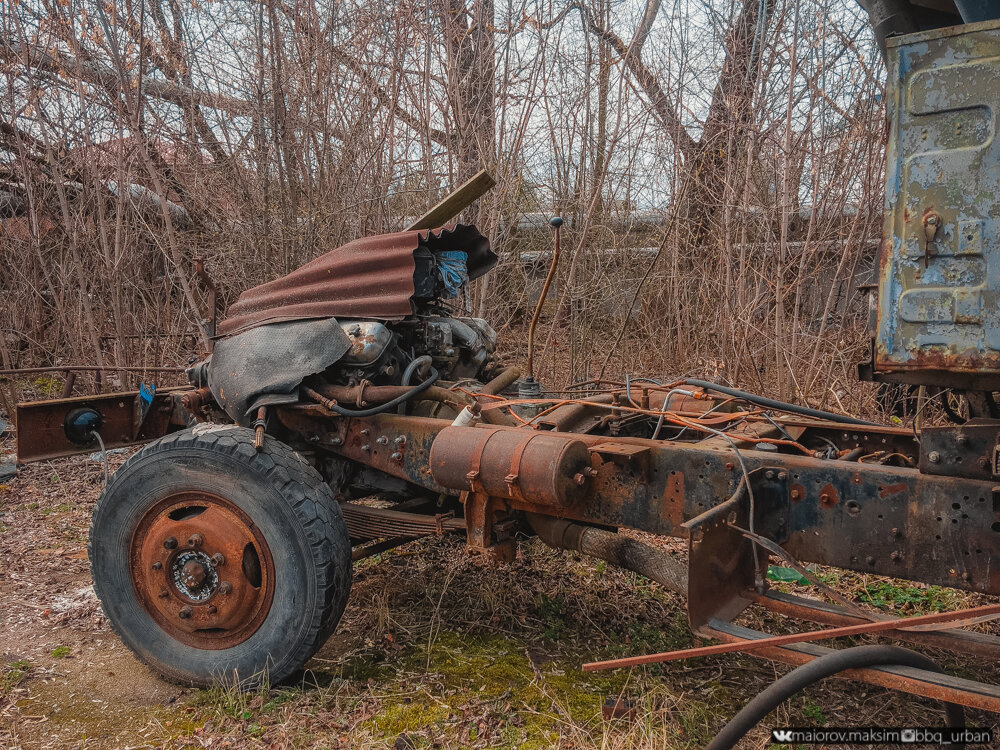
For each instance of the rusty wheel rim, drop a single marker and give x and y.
(202, 570)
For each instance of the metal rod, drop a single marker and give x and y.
(87, 368)
(783, 640)
(556, 222)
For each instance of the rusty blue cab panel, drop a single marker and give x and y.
(939, 271)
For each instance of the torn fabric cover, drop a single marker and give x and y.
(267, 364)
(371, 277)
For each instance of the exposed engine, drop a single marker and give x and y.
(371, 313)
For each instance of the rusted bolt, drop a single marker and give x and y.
(169, 543)
(366, 447)
(895, 531)
(400, 440)
(896, 555)
(824, 498)
(795, 494)
(382, 440)
(336, 441)
(366, 432)
(729, 466)
(195, 540)
(579, 478)
(933, 457)
(768, 474)
(185, 613)
(212, 609)
(782, 476)
(218, 559)
(225, 587)
(983, 462)
(397, 456)
(163, 594)
(194, 574)
(961, 439)
(157, 565)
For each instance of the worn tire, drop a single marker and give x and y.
(284, 501)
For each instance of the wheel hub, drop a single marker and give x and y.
(202, 570)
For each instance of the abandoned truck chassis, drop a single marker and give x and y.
(802, 484)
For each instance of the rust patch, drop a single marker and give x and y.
(885, 490)
(673, 498)
(828, 496)
(796, 493)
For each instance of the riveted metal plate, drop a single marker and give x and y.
(939, 303)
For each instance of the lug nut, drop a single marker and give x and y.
(157, 565)
(933, 457)
(366, 447)
(579, 478)
(382, 440)
(169, 543)
(225, 587)
(185, 613)
(400, 440)
(795, 494)
(163, 594)
(218, 559)
(336, 441)
(397, 456)
(195, 540)
(212, 609)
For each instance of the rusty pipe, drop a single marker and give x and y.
(501, 382)
(556, 222)
(379, 394)
(616, 549)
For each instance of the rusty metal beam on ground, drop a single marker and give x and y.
(785, 640)
(456, 202)
(970, 693)
(966, 642)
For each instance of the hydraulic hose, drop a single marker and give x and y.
(419, 363)
(618, 550)
(824, 666)
(771, 403)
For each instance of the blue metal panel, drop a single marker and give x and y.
(939, 275)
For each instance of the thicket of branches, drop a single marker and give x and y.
(719, 164)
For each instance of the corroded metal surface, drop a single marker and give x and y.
(939, 293)
(202, 570)
(908, 679)
(371, 277)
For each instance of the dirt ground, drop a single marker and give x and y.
(434, 651)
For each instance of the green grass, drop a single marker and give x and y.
(11, 675)
(60, 652)
(886, 595)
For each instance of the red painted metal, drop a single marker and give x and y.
(371, 277)
(784, 640)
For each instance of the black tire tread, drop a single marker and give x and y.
(306, 493)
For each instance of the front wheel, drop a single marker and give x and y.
(215, 562)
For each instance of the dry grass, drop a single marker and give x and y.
(436, 650)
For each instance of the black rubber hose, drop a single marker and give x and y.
(770, 403)
(824, 666)
(388, 405)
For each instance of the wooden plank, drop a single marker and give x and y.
(456, 202)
